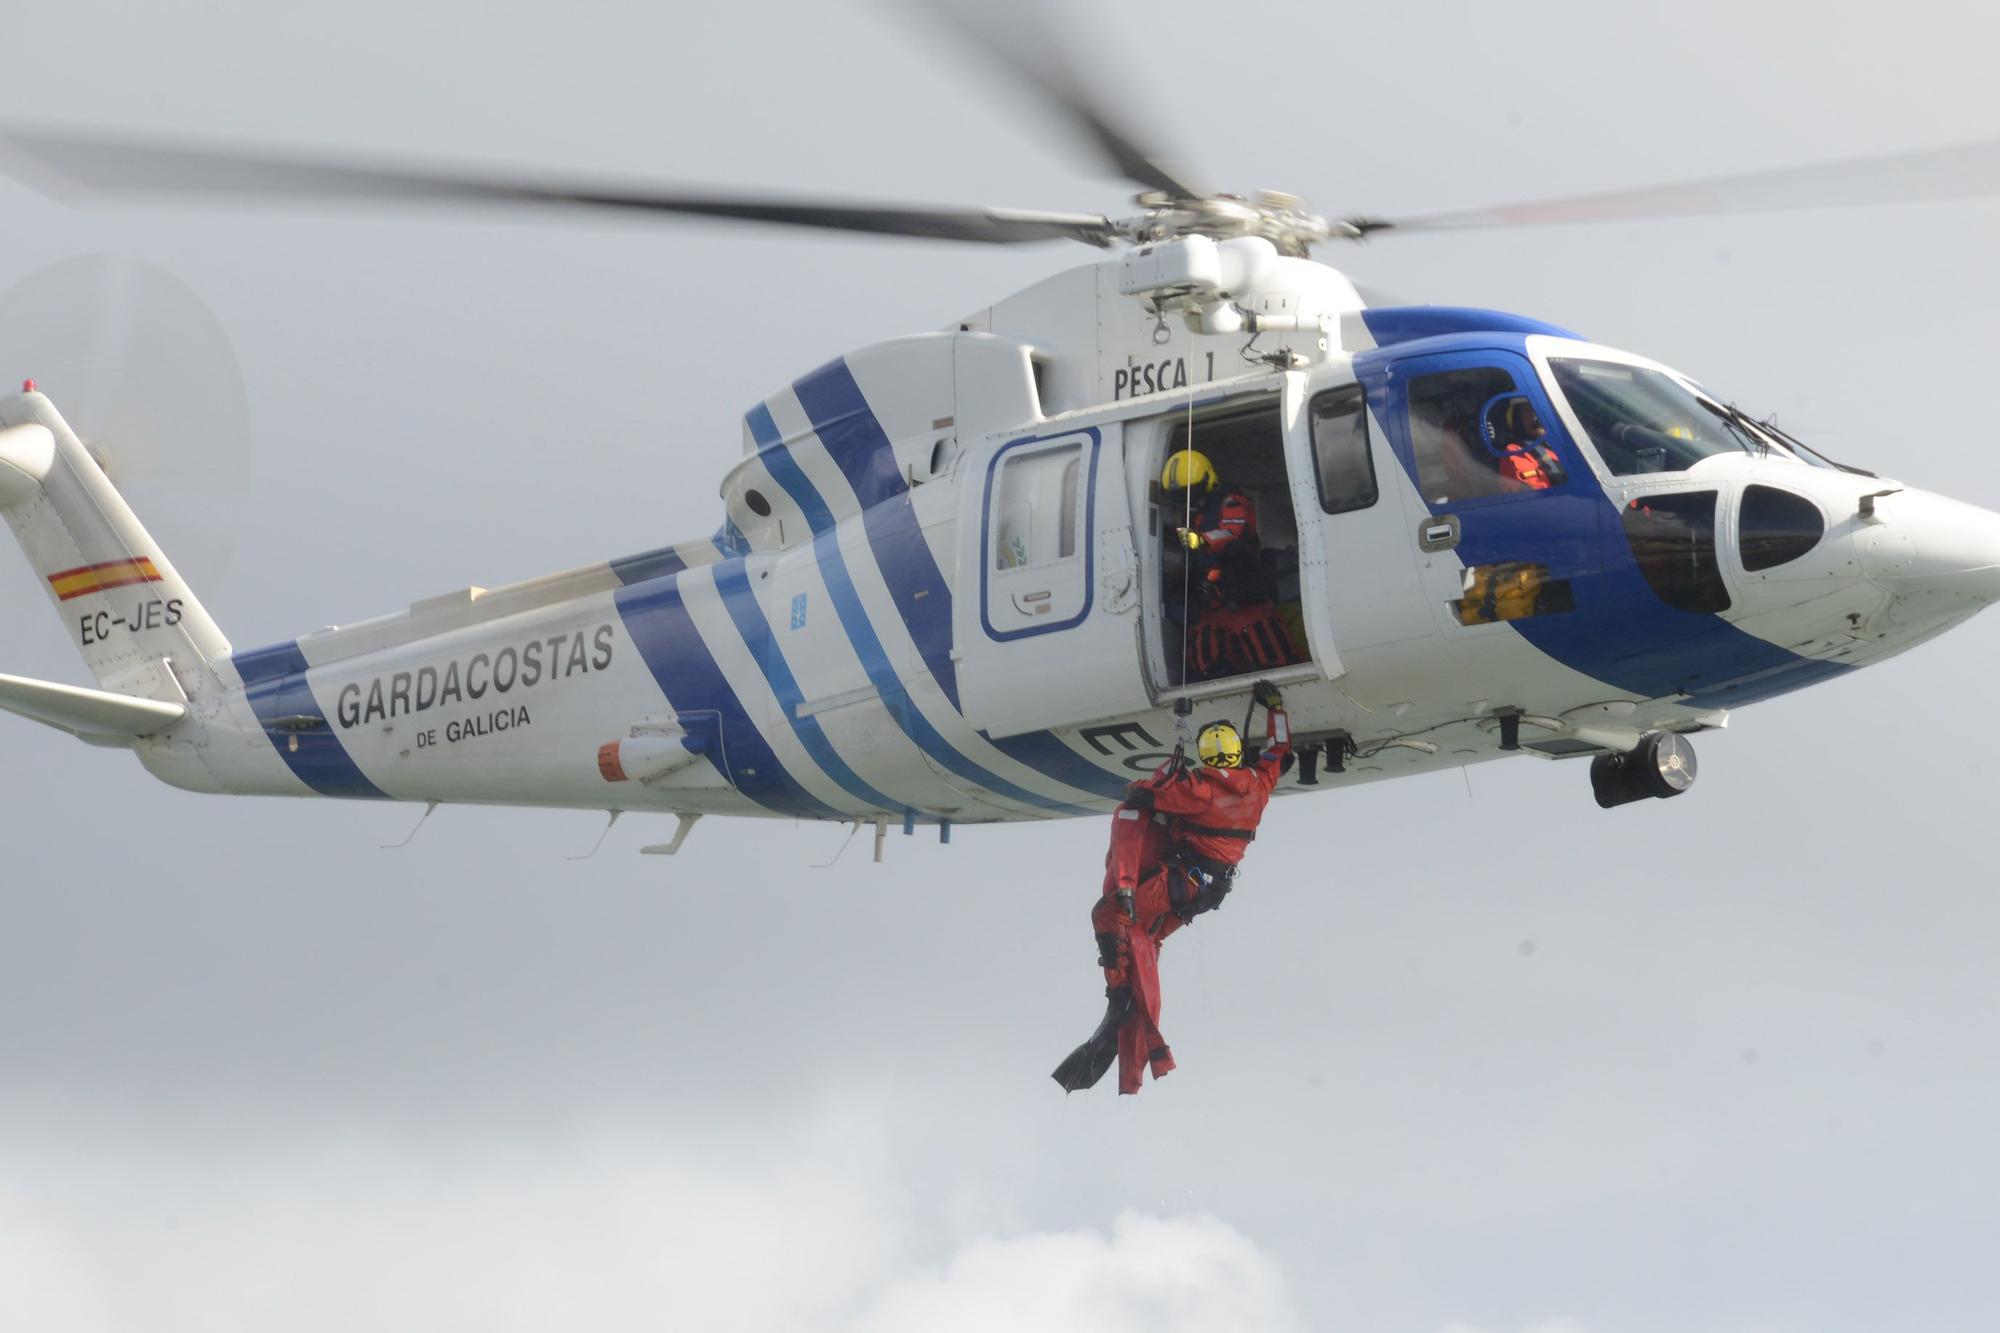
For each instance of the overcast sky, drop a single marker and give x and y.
(1464, 1053)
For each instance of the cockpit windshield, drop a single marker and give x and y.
(1643, 420)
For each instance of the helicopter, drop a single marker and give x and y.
(942, 590)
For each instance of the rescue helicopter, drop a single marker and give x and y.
(949, 585)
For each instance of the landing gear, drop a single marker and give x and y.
(1660, 765)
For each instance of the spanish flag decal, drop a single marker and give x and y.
(102, 578)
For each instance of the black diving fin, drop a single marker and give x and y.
(1084, 1066)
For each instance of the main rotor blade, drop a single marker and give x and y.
(1048, 72)
(135, 167)
(1962, 171)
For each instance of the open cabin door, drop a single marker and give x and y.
(1045, 621)
(1262, 609)
(1322, 596)
(1361, 574)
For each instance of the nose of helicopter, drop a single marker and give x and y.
(1924, 543)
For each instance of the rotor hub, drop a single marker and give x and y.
(1282, 219)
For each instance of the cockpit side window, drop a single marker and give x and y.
(1476, 434)
(1673, 543)
(1340, 450)
(1776, 527)
(1642, 420)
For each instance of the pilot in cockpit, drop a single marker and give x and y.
(1518, 440)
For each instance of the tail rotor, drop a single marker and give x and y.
(147, 378)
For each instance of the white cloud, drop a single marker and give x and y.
(616, 1228)
(1551, 1326)
(1151, 1273)
(609, 1230)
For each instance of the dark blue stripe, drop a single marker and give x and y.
(1045, 753)
(1621, 632)
(848, 430)
(734, 585)
(658, 564)
(700, 695)
(274, 681)
(860, 448)
(763, 427)
(850, 434)
(1389, 325)
(784, 469)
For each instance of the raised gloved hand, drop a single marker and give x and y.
(1190, 538)
(1265, 693)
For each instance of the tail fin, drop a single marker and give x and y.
(137, 624)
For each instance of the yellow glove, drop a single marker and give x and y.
(1193, 539)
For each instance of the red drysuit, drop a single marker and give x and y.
(1175, 844)
(1224, 519)
(1130, 919)
(1218, 809)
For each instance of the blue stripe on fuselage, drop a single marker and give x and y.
(1620, 633)
(274, 682)
(860, 448)
(847, 428)
(895, 697)
(734, 584)
(1389, 325)
(657, 619)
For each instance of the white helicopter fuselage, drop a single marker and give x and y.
(944, 590)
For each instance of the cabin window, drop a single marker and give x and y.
(1475, 434)
(1776, 527)
(1340, 450)
(1643, 421)
(1035, 506)
(1673, 540)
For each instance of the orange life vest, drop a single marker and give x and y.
(1525, 467)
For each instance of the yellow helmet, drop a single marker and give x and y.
(1219, 746)
(1188, 470)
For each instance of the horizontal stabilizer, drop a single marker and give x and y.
(94, 715)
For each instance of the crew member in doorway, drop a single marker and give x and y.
(1234, 629)
(1176, 842)
(1220, 531)
(1515, 433)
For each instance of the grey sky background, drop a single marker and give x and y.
(1465, 1052)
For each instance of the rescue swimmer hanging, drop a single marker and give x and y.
(1176, 843)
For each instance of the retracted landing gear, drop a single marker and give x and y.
(1660, 765)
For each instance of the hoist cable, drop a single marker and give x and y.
(1187, 552)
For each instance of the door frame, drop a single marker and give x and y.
(1088, 520)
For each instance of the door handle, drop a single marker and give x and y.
(1035, 603)
(1438, 534)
